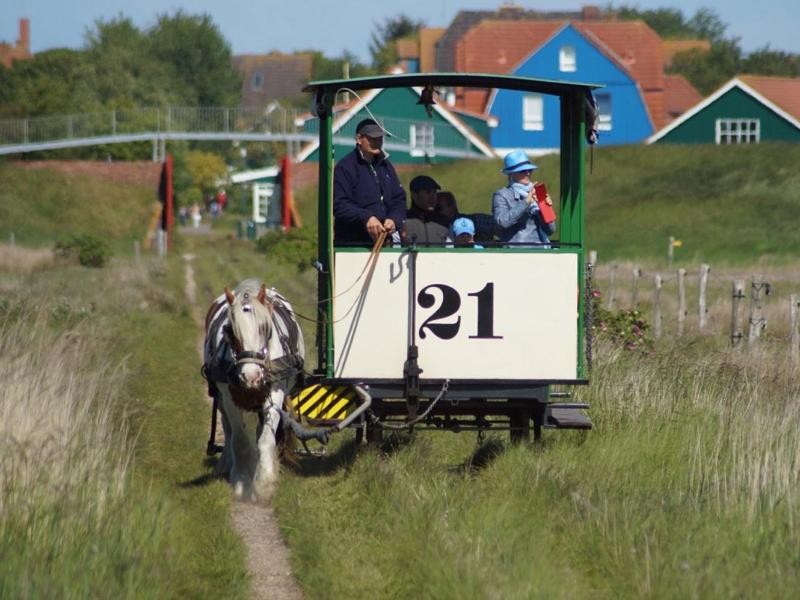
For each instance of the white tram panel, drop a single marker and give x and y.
(479, 316)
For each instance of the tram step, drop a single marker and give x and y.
(567, 418)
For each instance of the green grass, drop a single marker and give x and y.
(121, 507)
(41, 206)
(686, 488)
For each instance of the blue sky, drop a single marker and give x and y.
(255, 26)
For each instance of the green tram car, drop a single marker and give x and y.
(458, 338)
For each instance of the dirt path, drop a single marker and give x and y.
(267, 556)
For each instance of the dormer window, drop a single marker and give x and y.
(566, 59)
(257, 82)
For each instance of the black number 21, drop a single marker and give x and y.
(451, 303)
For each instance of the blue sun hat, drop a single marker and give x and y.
(516, 161)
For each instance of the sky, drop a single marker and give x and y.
(259, 26)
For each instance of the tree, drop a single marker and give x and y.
(382, 47)
(198, 59)
(126, 74)
(708, 70)
(53, 81)
(206, 169)
(772, 62)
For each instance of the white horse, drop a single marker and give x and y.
(253, 359)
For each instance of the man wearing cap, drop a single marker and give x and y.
(514, 207)
(424, 224)
(367, 196)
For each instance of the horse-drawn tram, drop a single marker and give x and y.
(451, 337)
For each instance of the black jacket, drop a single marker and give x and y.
(361, 191)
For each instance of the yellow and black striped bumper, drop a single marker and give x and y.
(325, 404)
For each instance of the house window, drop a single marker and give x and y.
(257, 82)
(603, 111)
(533, 112)
(566, 59)
(421, 136)
(738, 131)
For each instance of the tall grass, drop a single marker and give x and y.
(687, 487)
(65, 465)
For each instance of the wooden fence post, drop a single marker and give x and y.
(736, 324)
(12, 240)
(637, 273)
(794, 332)
(681, 300)
(593, 257)
(612, 277)
(670, 250)
(657, 307)
(703, 311)
(758, 322)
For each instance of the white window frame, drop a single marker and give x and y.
(422, 139)
(567, 59)
(604, 120)
(737, 131)
(533, 112)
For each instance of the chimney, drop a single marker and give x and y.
(590, 13)
(24, 41)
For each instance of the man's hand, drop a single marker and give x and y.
(389, 226)
(374, 227)
(548, 200)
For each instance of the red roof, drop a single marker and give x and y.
(679, 95)
(782, 91)
(494, 46)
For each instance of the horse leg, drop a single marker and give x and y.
(225, 463)
(241, 453)
(267, 469)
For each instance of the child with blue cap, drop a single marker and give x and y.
(464, 232)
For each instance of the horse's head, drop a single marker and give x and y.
(250, 318)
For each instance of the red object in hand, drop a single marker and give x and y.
(548, 214)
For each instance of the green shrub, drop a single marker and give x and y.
(626, 327)
(89, 249)
(298, 246)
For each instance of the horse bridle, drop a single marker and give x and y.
(247, 356)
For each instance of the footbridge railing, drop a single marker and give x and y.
(159, 125)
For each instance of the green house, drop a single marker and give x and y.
(746, 110)
(418, 134)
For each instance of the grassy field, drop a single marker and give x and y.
(41, 206)
(687, 486)
(102, 484)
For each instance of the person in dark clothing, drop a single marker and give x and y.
(424, 224)
(367, 196)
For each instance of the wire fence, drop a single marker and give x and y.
(745, 307)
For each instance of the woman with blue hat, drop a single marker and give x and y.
(514, 207)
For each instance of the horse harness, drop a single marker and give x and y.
(222, 365)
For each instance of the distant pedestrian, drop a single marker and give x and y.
(196, 216)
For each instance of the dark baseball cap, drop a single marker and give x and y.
(369, 128)
(423, 182)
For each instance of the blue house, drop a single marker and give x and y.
(531, 121)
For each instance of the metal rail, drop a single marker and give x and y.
(159, 125)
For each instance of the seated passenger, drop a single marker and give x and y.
(514, 207)
(464, 233)
(424, 225)
(484, 224)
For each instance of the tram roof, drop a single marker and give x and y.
(475, 80)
